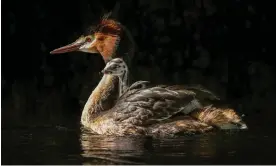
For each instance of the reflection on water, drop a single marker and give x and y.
(60, 145)
(141, 150)
(214, 148)
(129, 150)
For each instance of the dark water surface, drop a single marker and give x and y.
(62, 145)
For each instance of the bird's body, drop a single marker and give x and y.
(115, 109)
(143, 110)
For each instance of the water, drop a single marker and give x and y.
(62, 145)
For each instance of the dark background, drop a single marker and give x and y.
(222, 45)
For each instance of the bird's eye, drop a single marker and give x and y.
(88, 39)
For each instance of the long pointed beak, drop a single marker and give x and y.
(68, 48)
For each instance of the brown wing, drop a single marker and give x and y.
(200, 91)
(144, 106)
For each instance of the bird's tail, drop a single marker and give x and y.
(222, 118)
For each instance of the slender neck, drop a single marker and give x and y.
(102, 98)
(123, 82)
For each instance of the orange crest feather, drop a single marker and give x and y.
(108, 26)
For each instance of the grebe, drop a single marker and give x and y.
(223, 118)
(142, 110)
(111, 40)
